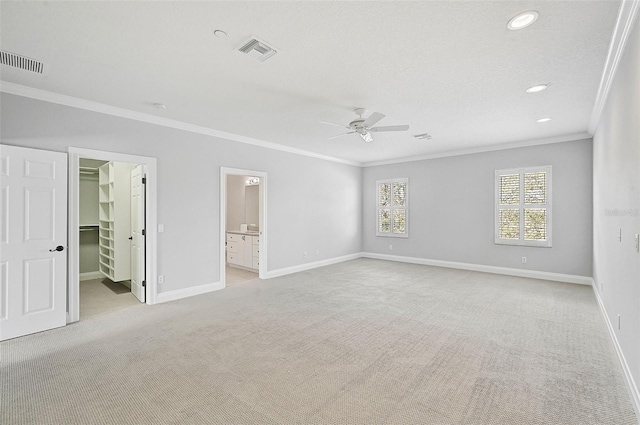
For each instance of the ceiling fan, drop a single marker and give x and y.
(364, 126)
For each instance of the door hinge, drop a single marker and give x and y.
(144, 283)
(144, 180)
(144, 233)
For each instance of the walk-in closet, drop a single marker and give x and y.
(109, 212)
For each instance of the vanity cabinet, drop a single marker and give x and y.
(243, 251)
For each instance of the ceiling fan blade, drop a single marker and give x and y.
(339, 135)
(373, 118)
(391, 128)
(337, 125)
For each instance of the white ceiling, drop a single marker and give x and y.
(448, 68)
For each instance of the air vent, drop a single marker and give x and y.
(23, 62)
(257, 49)
(426, 136)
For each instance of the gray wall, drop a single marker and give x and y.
(88, 214)
(312, 204)
(616, 199)
(451, 209)
(235, 202)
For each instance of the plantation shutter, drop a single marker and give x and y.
(523, 210)
(392, 206)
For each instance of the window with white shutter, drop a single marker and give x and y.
(523, 206)
(392, 212)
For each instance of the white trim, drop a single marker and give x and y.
(504, 146)
(309, 266)
(74, 102)
(533, 274)
(90, 276)
(191, 291)
(262, 219)
(73, 282)
(631, 384)
(627, 15)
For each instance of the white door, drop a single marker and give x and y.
(138, 284)
(33, 241)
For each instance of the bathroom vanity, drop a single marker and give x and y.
(243, 250)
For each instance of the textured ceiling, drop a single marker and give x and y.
(448, 68)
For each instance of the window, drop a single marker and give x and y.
(392, 209)
(523, 206)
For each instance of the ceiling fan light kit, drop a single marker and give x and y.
(364, 126)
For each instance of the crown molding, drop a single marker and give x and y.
(503, 146)
(627, 15)
(74, 102)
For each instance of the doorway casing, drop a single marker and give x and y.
(262, 218)
(73, 278)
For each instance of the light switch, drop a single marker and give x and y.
(160, 228)
(638, 242)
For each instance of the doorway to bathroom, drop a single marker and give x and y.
(242, 225)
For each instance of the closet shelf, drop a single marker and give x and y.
(115, 215)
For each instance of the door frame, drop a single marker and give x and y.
(262, 218)
(151, 252)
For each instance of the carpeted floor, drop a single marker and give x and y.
(100, 296)
(361, 342)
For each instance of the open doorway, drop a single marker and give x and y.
(111, 236)
(111, 239)
(242, 229)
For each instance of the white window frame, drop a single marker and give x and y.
(547, 243)
(392, 208)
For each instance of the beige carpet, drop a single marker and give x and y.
(101, 296)
(362, 342)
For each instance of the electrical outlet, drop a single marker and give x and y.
(305, 254)
(317, 252)
(524, 259)
(620, 234)
(161, 279)
(390, 246)
(160, 228)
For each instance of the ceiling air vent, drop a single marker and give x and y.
(23, 62)
(426, 136)
(257, 49)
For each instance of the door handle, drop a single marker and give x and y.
(58, 248)
(130, 238)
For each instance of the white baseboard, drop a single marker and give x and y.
(631, 384)
(91, 275)
(177, 294)
(309, 266)
(557, 277)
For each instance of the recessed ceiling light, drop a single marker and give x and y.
(522, 20)
(220, 33)
(546, 119)
(538, 88)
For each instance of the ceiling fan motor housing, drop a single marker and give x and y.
(358, 125)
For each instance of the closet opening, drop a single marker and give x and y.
(112, 250)
(242, 230)
(111, 235)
